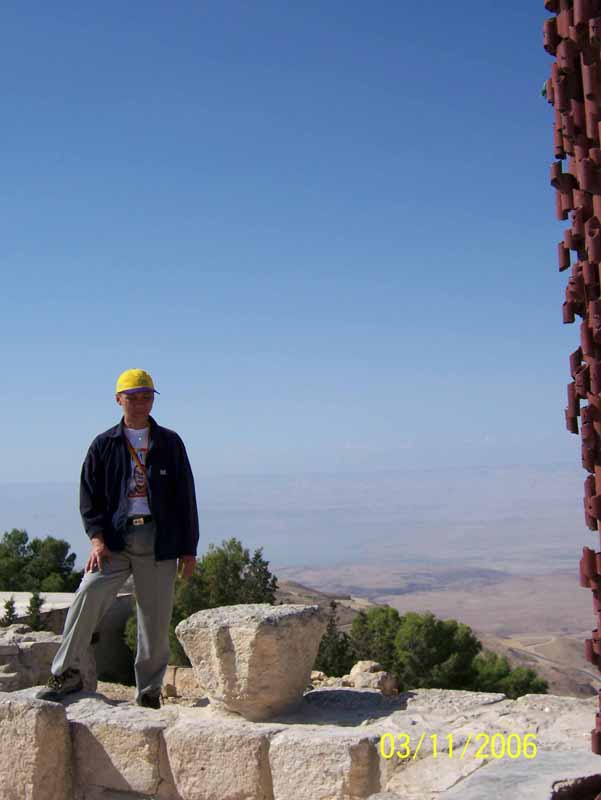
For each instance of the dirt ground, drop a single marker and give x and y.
(127, 694)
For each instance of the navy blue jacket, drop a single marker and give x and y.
(171, 496)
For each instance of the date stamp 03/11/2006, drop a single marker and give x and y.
(474, 745)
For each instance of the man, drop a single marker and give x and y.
(138, 505)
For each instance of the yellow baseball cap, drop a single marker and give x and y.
(134, 380)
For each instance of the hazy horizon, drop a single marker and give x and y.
(515, 518)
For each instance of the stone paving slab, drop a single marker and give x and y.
(521, 779)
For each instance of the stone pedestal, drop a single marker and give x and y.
(255, 660)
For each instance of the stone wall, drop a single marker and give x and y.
(26, 657)
(328, 749)
(114, 660)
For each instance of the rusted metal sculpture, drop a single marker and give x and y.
(573, 36)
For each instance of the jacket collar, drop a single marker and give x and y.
(117, 431)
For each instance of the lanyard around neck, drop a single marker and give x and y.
(134, 454)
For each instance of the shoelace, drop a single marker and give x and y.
(55, 682)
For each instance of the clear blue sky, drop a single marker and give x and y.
(325, 228)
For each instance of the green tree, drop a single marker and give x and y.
(53, 583)
(522, 680)
(50, 560)
(39, 564)
(34, 616)
(10, 613)
(14, 554)
(426, 652)
(335, 656)
(495, 674)
(430, 652)
(489, 670)
(373, 635)
(224, 576)
(258, 585)
(130, 633)
(229, 576)
(189, 596)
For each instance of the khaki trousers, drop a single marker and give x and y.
(154, 582)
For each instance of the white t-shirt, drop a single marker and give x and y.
(137, 491)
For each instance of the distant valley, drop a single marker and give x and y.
(539, 621)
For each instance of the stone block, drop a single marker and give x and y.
(327, 764)
(383, 681)
(180, 681)
(170, 675)
(116, 747)
(98, 793)
(365, 666)
(253, 659)
(220, 760)
(26, 657)
(186, 682)
(35, 750)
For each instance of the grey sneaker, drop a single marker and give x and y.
(60, 685)
(149, 699)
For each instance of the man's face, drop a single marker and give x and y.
(136, 405)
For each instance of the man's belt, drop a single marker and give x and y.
(144, 520)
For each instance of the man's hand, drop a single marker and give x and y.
(185, 566)
(100, 553)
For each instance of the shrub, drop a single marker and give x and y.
(10, 613)
(335, 656)
(39, 564)
(430, 652)
(373, 634)
(224, 576)
(493, 673)
(426, 652)
(34, 616)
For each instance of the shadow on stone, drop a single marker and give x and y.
(76, 697)
(167, 781)
(343, 707)
(108, 773)
(202, 702)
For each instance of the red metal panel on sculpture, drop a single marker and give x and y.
(573, 37)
